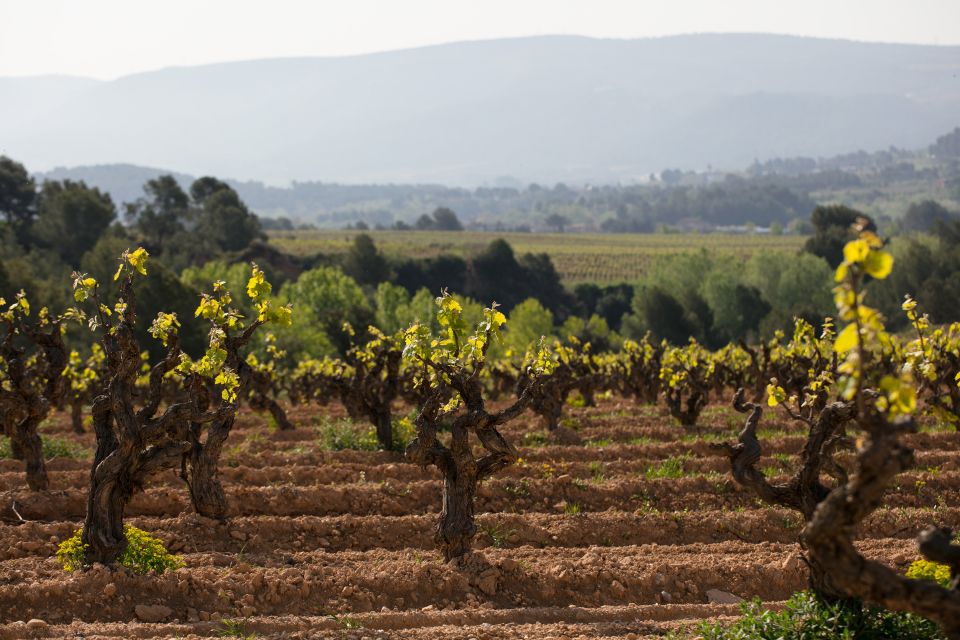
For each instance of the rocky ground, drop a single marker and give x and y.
(634, 533)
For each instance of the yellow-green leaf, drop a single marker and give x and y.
(856, 251)
(846, 340)
(878, 264)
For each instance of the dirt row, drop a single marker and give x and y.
(560, 494)
(637, 622)
(68, 473)
(349, 582)
(269, 538)
(573, 542)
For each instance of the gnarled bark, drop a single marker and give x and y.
(199, 469)
(369, 391)
(804, 490)
(829, 534)
(461, 471)
(34, 387)
(134, 444)
(686, 411)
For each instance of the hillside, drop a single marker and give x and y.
(536, 109)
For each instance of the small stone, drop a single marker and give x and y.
(36, 624)
(715, 596)
(31, 545)
(666, 597)
(248, 610)
(347, 591)
(488, 584)
(238, 535)
(152, 612)
(110, 590)
(204, 615)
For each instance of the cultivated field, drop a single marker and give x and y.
(621, 537)
(578, 257)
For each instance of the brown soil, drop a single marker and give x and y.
(620, 536)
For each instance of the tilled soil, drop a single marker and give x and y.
(622, 536)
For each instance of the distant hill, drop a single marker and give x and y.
(124, 182)
(543, 109)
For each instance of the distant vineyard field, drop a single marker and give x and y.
(599, 258)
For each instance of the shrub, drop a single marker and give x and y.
(927, 570)
(143, 554)
(807, 617)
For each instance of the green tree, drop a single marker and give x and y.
(557, 221)
(333, 298)
(71, 217)
(795, 287)
(203, 188)
(925, 216)
(660, 313)
(445, 219)
(737, 309)
(162, 214)
(234, 274)
(6, 290)
(832, 226)
(528, 322)
(18, 192)
(364, 262)
(594, 330)
(162, 291)
(390, 301)
(223, 218)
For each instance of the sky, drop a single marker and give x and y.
(106, 39)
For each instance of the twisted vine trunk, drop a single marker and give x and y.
(383, 420)
(804, 491)
(687, 416)
(76, 415)
(199, 469)
(109, 492)
(279, 415)
(455, 530)
(29, 446)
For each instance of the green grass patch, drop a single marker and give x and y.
(52, 448)
(806, 617)
(343, 433)
(669, 468)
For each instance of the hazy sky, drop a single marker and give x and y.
(109, 38)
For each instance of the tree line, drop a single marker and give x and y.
(203, 233)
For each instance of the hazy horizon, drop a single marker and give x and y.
(108, 39)
(469, 41)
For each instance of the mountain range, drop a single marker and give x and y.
(544, 109)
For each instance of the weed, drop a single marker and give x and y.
(519, 489)
(603, 442)
(143, 554)
(806, 617)
(52, 448)
(498, 535)
(547, 470)
(669, 468)
(234, 629)
(596, 471)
